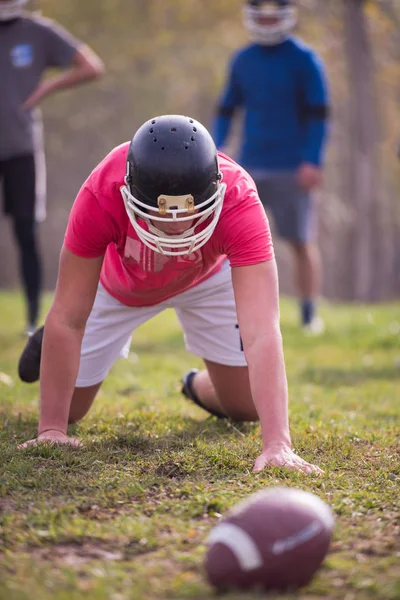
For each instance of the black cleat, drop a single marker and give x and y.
(188, 391)
(29, 363)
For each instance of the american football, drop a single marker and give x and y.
(276, 540)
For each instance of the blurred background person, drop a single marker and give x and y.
(280, 84)
(29, 45)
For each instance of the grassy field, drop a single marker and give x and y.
(126, 517)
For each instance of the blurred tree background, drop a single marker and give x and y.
(172, 57)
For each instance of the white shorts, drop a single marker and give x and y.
(206, 312)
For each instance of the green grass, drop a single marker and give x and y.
(127, 516)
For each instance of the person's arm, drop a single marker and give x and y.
(86, 65)
(257, 305)
(230, 100)
(314, 107)
(64, 328)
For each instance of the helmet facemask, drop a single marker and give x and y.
(283, 16)
(174, 209)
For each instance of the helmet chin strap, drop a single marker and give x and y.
(11, 9)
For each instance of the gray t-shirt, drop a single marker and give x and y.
(28, 46)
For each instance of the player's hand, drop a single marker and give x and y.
(283, 456)
(309, 176)
(37, 95)
(52, 437)
(30, 102)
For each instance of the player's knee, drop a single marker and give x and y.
(82, 400)
(77, 414)
(241, 414)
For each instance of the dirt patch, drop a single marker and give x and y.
(171, 470)
(75, 553)
(6, 505)
(374, 534)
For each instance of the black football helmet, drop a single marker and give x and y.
(173, 176)
(283, 16)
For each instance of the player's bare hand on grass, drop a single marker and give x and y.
(283, 456)
(52, 437)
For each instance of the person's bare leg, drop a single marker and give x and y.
(227, 390)
(82, 400)
(307, 270)
(307, 274)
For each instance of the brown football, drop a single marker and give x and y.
(276, 540)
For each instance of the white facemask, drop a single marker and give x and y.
(269, 34)
(174, 245)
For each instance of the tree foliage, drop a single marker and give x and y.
(172, 57)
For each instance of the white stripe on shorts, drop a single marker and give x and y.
(40, 167)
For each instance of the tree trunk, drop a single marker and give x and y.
(362, 163)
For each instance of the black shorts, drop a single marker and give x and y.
(18, 179)
(292, 208)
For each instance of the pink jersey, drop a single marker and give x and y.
(135, 274)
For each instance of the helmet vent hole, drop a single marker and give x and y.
(186, 146)
(154, 139)
(153, 122)
(173, 129)
(191, 121)
(195, 129)
(151, 130)
(162, 148)
(192, 138)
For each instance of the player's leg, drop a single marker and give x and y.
(107, 337)
(307, 263)
(307, 277)
(29, 370)
(82, 400)
(208, 317)
(294, 216)
(19, 192)
(226, 389)
(30, 267)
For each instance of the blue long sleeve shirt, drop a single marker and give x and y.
(284, 94)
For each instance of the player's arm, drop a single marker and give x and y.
(314, 107)
(65, 325)
(230, 100)
(257, 305)
(85, 66)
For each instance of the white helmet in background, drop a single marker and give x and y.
(11, 9)
(270, 22)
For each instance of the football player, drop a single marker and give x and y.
(30, 45)
(166, 222)
(280, 84)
